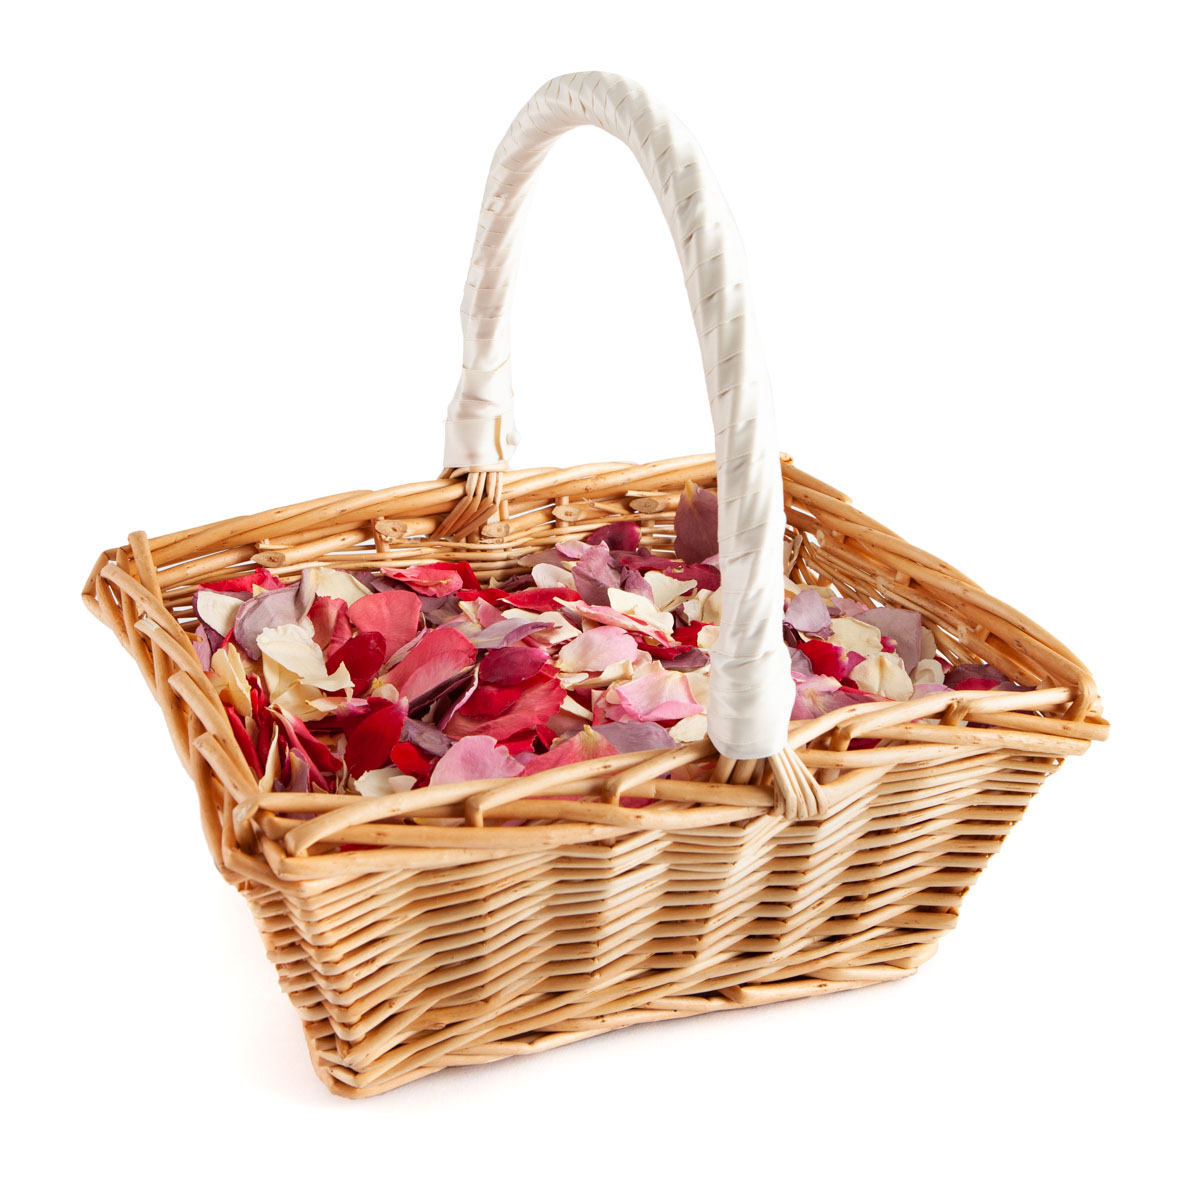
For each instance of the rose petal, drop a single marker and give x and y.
(657, 696)
(218, 610)
(856, 635)
(363, 657)
(394, 615)
(690, 729)
(903, 626)
(331, 625)
(594, 574)
(928, 670)
(541, 600)
(377, 783)
(597, 650)
(884, 674)
(280, 606)
(827, 659)
(411, 760)
(426, 737)
(475, 757)
(369, 742)
(438, 655)
(642, 609)
(429, 579)
(666, 591)
(536, 703)
(817, 694)
(626, 736)
(512, 664)
(547, 576)
(807, 613)
(631, 581)
(621, 535)
(587, 743)
(326, 581)
(696, 524)
(261, 578)
(971, 677)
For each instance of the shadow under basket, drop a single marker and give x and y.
(453, 944)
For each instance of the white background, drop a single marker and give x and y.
(233, 244)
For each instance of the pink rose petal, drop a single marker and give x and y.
(428, 580)
(438, 655)
(807, 613)
(394, 615)
(658, 696)
(587, 743)
(597, 650)
(626, 737)
(475, 757)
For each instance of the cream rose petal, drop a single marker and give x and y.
(227, 667)
(667, 590)
(690, 729)
(341, 585)
(929, 670)
(547, 575)
(376, 783)
(289, 653)
(884, 675)
(640, 607)
(271, 767)
(218, 610)
(855, 635)
(928, 645)
(563, 630)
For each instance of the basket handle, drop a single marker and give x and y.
(751, 692)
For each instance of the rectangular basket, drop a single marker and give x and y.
(799, 864)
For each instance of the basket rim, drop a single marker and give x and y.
(124, 590)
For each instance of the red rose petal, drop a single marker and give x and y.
(244, 583)
(369, 743)
(536, 703)
(539, 599)
(828, 659)
(412, 761)
(242, 737)
(363, 655)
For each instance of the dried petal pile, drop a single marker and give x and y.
(376, 682)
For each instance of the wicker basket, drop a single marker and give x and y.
(798, 864)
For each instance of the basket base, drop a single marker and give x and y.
(339, 1079)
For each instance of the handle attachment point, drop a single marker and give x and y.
(482, 441)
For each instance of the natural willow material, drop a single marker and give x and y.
(449, 937)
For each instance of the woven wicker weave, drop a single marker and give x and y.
(465, 940)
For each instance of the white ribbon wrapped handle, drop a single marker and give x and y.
(752, 693)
